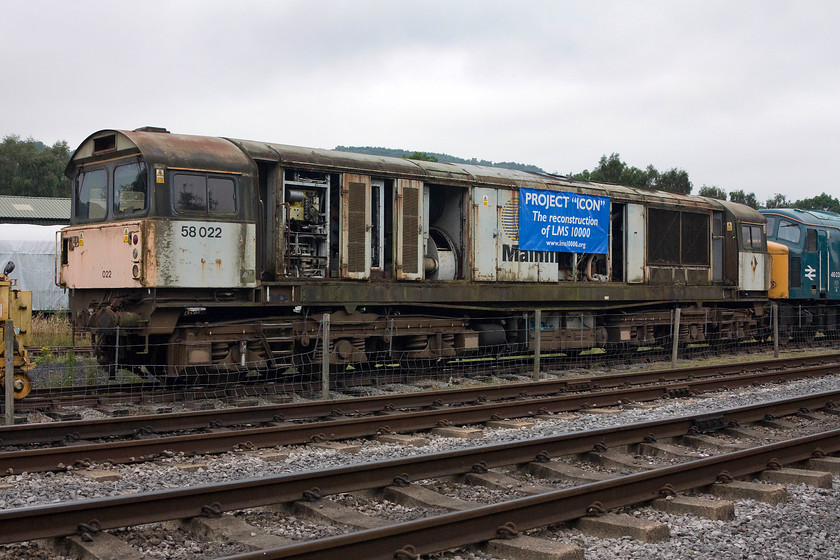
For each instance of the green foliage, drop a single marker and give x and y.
(674, 180)
(420, 156)
(711, 191)
(29, 168)
(778, 201)
(744, 198)
(443, 158)
(824, 202)
(613, 170)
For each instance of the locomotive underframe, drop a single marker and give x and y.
(801, 320)
(278, 326)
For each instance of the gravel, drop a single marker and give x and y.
(807, 526)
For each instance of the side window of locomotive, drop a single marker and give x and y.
(130, 185)
(189, 193)
(811, 240)
(789, 231)
(221, 195)
(91, 195)
(197, 194)
(752, 237)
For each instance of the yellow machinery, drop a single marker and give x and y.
(15, 305)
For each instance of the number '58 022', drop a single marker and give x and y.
(211, 232)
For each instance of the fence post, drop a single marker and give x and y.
(675, 338)
(9, 378)
(325, 357)
(774, 312)
(117, 352)
(537, 344)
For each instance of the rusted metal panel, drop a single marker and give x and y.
(103, 256)
(485, 234)
(485, 295)
(636, 246)
(753, 271)
(355, 231)
(173, 150)
(199, 254)
(409, 229)
(159, 253)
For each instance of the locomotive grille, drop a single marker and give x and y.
(356, 226)
(411, 225)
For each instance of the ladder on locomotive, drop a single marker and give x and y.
(278, 338)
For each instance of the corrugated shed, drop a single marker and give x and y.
(34, 210)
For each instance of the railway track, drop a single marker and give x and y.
(216, 431)
(813, 434)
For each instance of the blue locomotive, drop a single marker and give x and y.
(805, 281)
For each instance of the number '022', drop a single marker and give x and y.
(210, 232)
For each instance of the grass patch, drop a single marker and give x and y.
(51, 330)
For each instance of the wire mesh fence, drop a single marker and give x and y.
(407, 354)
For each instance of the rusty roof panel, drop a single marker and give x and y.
(172, 150)
(203, 152)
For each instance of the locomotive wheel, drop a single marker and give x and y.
(22, 384)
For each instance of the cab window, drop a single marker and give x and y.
(130, 185)
(752, 237)
(789, 231)
(91, 195)
(771, 225)
(199, 194)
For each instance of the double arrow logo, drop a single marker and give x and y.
(810, 273)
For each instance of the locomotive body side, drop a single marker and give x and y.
(190, 254)
(807, 276)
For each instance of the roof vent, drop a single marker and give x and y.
(151, 129)
(107, 143)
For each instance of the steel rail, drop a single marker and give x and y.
(64, 519)
(223, 440)
(25, 434)
(489, 522)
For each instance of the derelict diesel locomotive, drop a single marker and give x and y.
(189, 253)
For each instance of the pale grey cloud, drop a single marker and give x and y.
(743, 95)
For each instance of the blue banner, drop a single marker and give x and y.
(563, 221)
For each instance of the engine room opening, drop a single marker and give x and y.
(444, 239)
(305, 218)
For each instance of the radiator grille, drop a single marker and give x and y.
(356, 227)
(411, 229)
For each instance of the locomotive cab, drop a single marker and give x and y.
(154, 214)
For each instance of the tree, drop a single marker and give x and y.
(824, 202)
(674, 180)
(744, 198)
(778, 201)
(29, 168)
(420, 156)
(612, 170)
(711, 191)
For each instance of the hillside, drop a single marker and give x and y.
(443, 158)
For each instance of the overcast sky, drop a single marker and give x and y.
(740, 94)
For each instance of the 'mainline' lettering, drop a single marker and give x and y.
(512, 253)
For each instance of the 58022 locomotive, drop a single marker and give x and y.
(188, 254)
